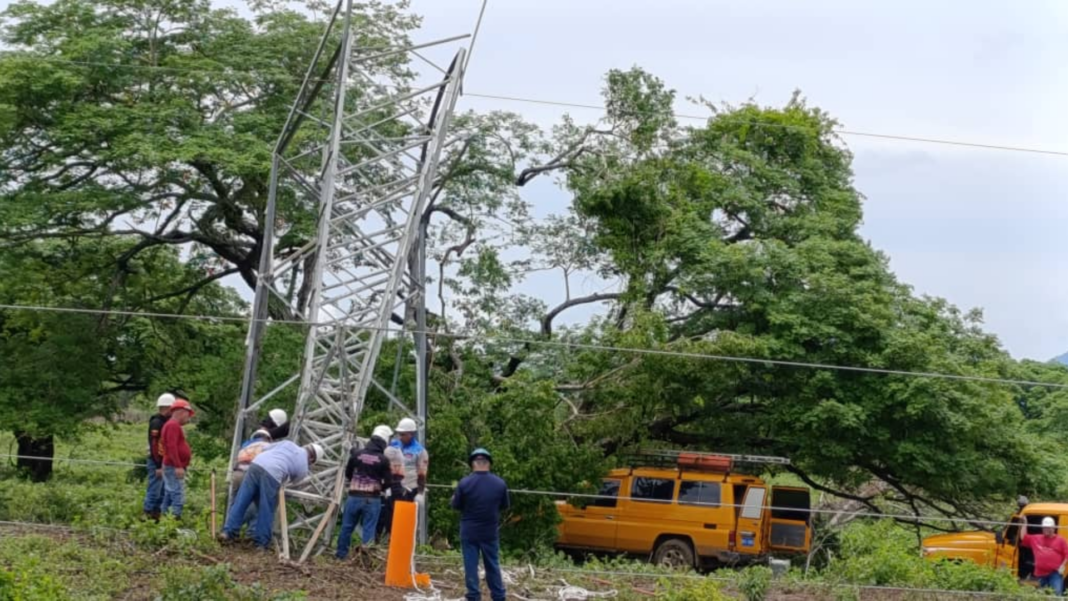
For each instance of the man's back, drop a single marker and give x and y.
(480, 497)
(284, 460)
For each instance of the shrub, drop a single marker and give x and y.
(754, 582)
(693, 590)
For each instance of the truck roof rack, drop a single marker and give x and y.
(697, 460)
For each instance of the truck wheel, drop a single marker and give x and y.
(674, 553)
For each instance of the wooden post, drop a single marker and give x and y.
(213, 518)
(284, 518)
(329, 515)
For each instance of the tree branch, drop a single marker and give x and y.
(547, 320)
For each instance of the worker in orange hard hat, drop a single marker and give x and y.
(176, 457)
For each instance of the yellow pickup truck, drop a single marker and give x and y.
(999, 549)
(690, 510)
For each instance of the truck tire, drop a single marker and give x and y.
(674, 553)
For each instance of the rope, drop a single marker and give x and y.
(560, 344)
(73, 460)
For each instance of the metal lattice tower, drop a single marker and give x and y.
(363, 152)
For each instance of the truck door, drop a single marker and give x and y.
(1008, 548)
(789, 523)
(595, 526)
(749, 535)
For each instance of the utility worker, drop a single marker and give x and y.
(369, 473)
(414, 462)
(276, 423)
(279, 463)
(154, 464)
(480, 498)
(1051, 554)
(252, 447)
(176, 457)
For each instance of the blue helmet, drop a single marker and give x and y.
(479, 452)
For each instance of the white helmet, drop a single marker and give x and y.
(317, 449)
(261, 433)
(165, 400)
(278, 416)
(1048, 522)
(407, 425)
(382, 432)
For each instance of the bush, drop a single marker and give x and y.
(28, 586)
(215, 583)
(754, 582)
(694, 590)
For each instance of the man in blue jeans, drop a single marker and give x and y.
(1051, 554)
(154, 464)
(369, 473)
(279, 463)
(481, 497)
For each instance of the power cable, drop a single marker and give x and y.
(812, 511)
(845, 132)
(560, 344)
(570, 495)
(233, 75)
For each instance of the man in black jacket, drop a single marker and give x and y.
(369, 473)
(154, 494)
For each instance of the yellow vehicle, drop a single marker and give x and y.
(999, 549)
(695, 513)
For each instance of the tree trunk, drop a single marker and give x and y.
(39, 470)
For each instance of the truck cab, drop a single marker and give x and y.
(999, 549)
(697, 512)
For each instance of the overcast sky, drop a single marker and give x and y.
(978, 227)
(981, 228)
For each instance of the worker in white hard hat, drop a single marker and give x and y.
(278, 464)
(412, 468)
(369, 473)
(276, 423)
(154, 463)
(1051, 554)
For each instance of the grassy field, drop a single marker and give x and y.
(80, 536)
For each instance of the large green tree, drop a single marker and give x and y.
(62, 368)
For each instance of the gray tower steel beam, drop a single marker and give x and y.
(364, 154)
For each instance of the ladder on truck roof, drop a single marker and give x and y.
(699, 460)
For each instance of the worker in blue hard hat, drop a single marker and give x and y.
(480, 498)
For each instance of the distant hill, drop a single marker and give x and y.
(1063, 359)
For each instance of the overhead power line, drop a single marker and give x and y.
(844, 132)
(232, 75)
(558, 344)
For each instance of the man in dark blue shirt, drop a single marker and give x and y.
(480, 497)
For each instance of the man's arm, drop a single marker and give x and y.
(1062, 546)
(506, 499)
(457, 501)
(350, 465)
(422, 466)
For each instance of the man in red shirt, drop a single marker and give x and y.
(1051, 554)
(176, 456)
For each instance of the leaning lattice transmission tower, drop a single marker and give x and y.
(361, 152)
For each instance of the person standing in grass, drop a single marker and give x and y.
(480, 498)
(369, 473)
(176, 457)
(154, 464)
(1051, 554)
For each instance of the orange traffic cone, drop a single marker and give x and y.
(400, 566)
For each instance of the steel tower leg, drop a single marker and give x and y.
(368, 165)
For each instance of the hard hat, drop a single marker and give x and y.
(382, 432)
(317, 449)
(165, 400)
(278, 416)
(479, 452)
(261, 433)
(407, 425)
(1048, 523)
(183, 404)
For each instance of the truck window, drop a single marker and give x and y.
(703, 493)
(653, 489)
(609, 488)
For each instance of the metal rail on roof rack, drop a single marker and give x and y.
(739, 458)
